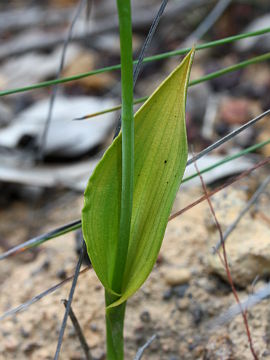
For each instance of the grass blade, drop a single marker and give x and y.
(166, 55)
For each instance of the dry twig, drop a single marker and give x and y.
(251, 202)
(224, 261)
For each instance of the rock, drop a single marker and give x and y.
(6, 114)
(167, 295)
(61, 274)
(247, 247)
(234, 111)
(30, 347)
(66, 138)
(183, 304)
(11, 344)
(175, 276)
(219, 347)
(17, 71)
(256, 43)
(180, 290)
(215, 174)
(197, 101)
(98, 354)
(197, 312)
(85, 62)
(145, 316)
(94, 327)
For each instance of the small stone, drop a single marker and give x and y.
(197, 313)
(98, 354)
(94, 327)
(145, 316)
(139, 335)
(175, 277)
(234, 111)
(248, 258)
(167, 295)
(30, 347)
(26, 330)
(180, 290)
(183, 304)
(11, 344)
(266, 353)
(62, 274)
(219, 347)
(76, 355)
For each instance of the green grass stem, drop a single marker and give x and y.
(165, 55)
(228, 159)
(204, 78)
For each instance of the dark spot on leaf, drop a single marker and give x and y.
(165, 161)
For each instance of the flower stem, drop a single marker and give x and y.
(125, 29)
(115, 316)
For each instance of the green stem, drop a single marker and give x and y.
(115, 316)
(114, 328)
(147, 59)
(125, 29)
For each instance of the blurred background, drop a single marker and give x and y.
(47, 156)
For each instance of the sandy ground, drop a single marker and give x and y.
(178, 315)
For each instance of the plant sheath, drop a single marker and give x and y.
(115, 317)
(125, 30)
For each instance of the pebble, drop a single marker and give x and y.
(94, 327)
(183, 304)
(219, 347)
(180, 290)
(145, 316)
(30, 347)
(99, 355)
(248, 258)
(62, 274)
(11, 344)
(167, 295)
(139, 335)
(197, 313)
(26, 331)
(175, 277)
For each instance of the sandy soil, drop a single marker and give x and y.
(179, 315)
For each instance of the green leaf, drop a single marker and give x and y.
(160, 160)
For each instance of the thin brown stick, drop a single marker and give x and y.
(226, 266)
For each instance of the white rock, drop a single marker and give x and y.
(259, 43)
(247, 247)
(6, 114)
(17, 71)
(66, 138)
(174, 276)
(227, 169)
